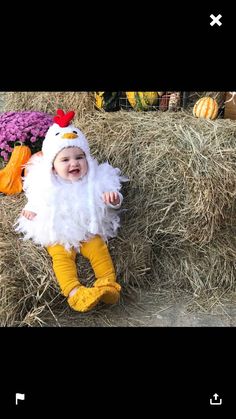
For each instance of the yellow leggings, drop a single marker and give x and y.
(65, 268)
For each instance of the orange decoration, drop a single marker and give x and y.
(10, 175)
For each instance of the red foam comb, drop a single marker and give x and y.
(63, 119)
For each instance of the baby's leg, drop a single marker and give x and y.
(64, 267)
(98, 254)
(65, 270)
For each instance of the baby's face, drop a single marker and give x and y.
(71, 164)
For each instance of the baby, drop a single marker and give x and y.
(71, 208)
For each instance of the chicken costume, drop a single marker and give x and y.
(71, 216)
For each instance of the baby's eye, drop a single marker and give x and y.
(80, 157)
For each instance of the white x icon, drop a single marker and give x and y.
(215, 20)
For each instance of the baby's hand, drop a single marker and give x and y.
(28, 214)
(111, 198)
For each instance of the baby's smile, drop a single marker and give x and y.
(74, 171)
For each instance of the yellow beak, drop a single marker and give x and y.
(69, 135)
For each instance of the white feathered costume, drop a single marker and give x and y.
(68, 212)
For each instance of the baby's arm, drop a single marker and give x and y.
(112, 199)
(28, 214)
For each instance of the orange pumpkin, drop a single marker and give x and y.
(10, 175)
(206, 107)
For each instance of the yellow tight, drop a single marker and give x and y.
(64, 267)
(105, 287)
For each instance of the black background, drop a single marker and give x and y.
(168, 47)
(118, 371)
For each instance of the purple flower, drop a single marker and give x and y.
(4, 155)
(28, 127)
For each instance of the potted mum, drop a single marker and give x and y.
(22, 127)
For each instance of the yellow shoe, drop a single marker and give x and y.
(111, 295)
(111, 291)
(85, 298)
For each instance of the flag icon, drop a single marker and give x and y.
(19, 396)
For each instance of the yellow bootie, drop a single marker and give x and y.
(111, 290)
(86, 298)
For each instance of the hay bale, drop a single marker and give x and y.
(181, 169)
(198, 268)
(178, 219)
(49, 102)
